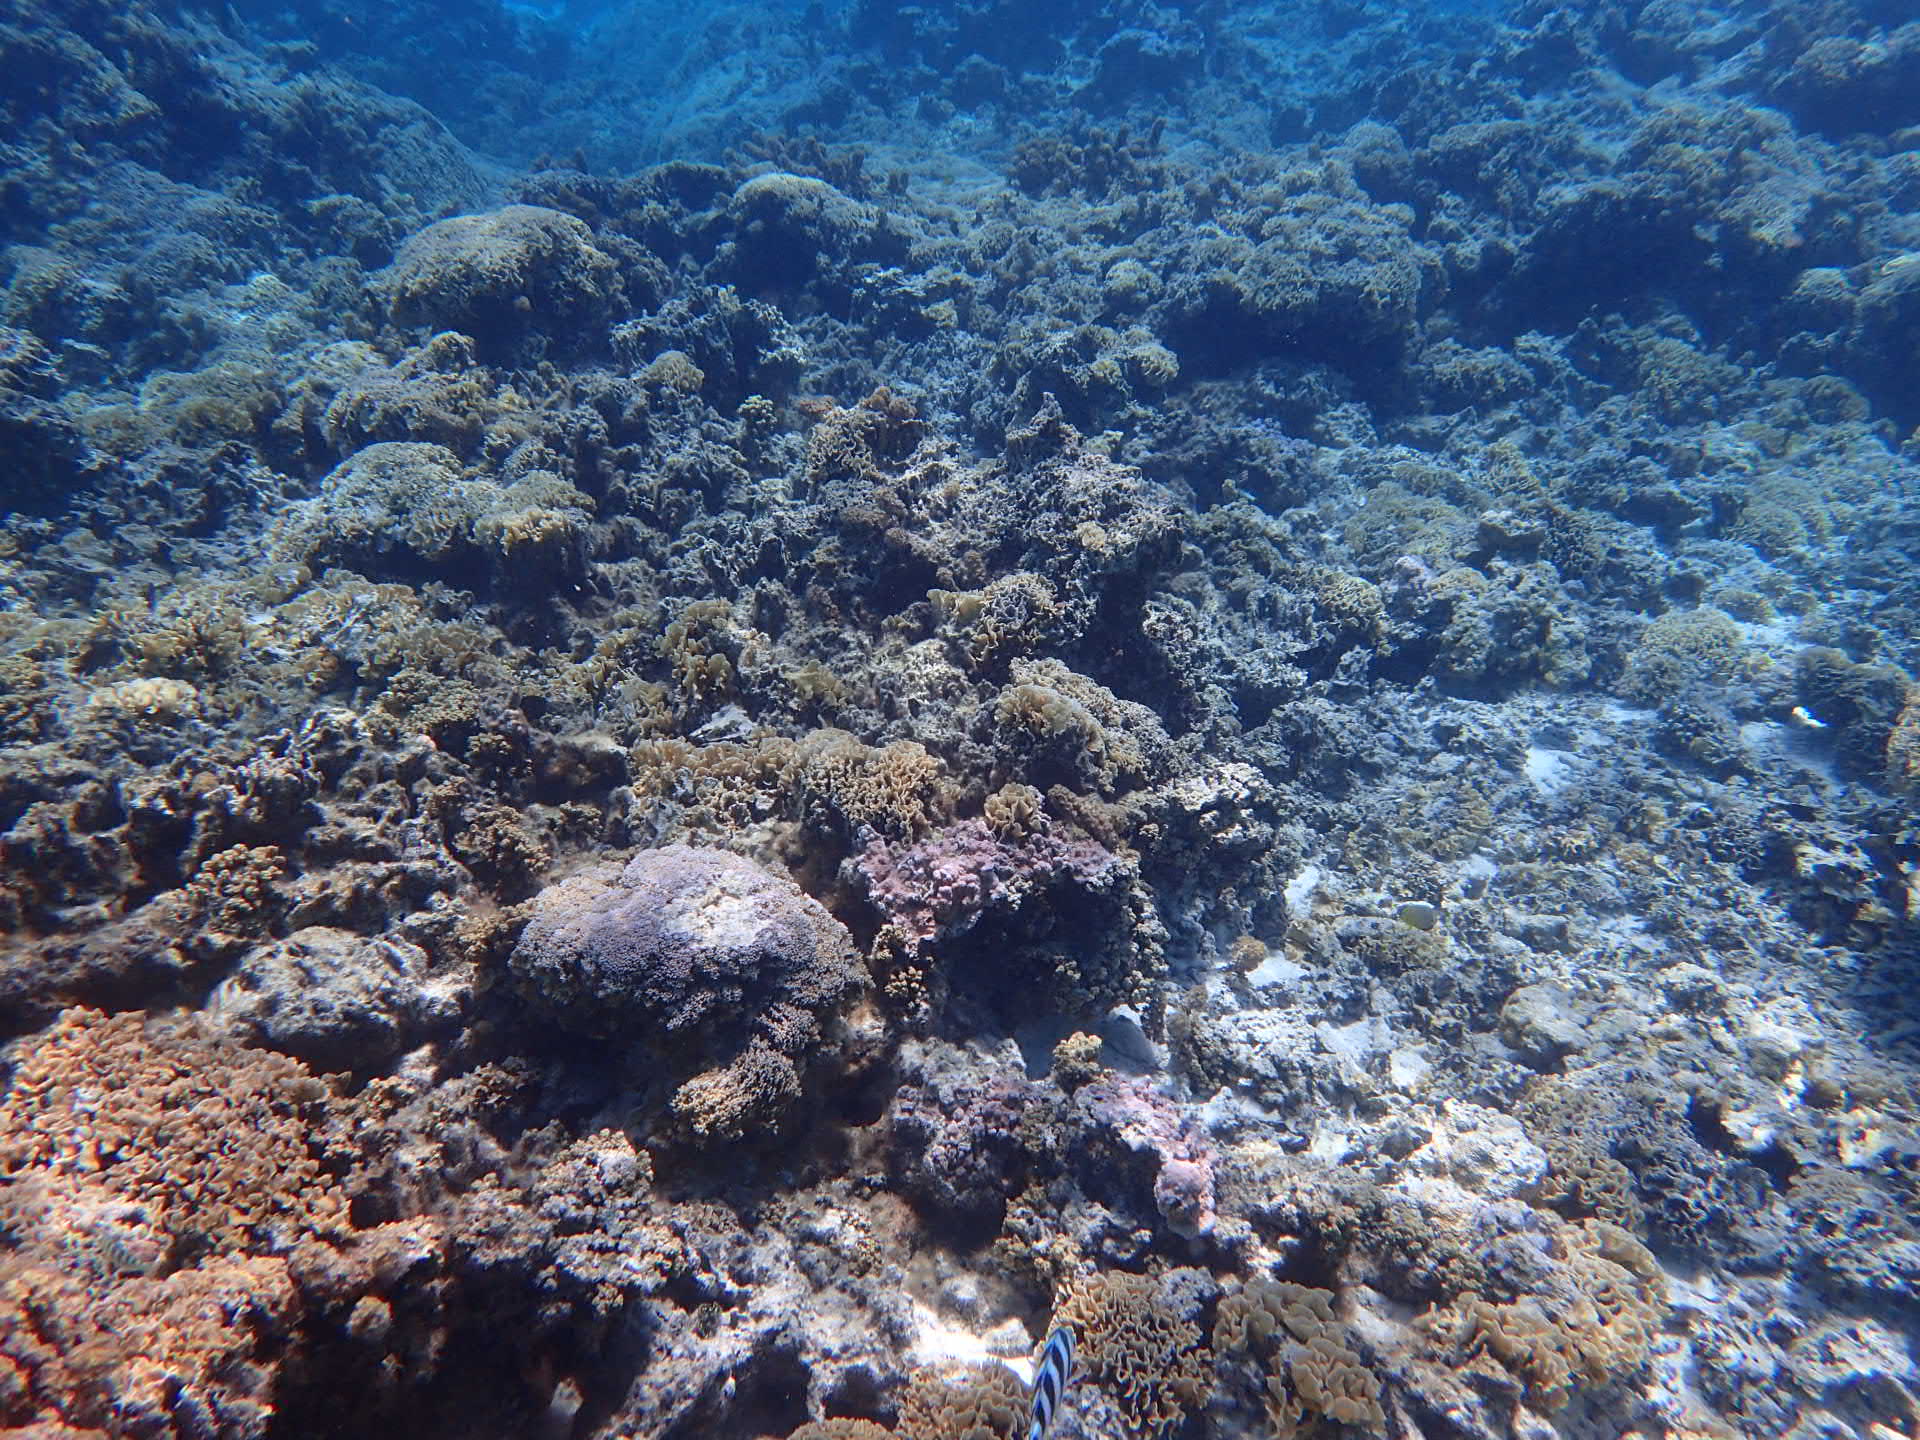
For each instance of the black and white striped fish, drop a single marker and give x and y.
(1051, 1380)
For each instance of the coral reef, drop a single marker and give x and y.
(694, 956)
(706, 712)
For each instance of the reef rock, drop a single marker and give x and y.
(334, 998)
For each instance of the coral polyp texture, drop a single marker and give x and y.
(711, 715)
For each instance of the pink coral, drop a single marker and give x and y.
(1147, 1123)
(940, 886)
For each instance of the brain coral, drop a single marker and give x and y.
(729, 975)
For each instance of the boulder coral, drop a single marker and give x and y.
(503, 277)
(728, 976)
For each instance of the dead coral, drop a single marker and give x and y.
(1134, 1128)
(572, 1249)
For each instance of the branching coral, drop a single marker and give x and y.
(215, 1144)
(194, 1353)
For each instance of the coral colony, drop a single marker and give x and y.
(972, 721)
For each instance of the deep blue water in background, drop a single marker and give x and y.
(628, 84)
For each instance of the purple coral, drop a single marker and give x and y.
(968, 1150)
(718, 969)
(680, 944)
(1126, 1109)
(941, 885)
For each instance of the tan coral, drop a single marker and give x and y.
(212, 1140)
(983, 1402)
(147, 698)
(1557, 1343)
(1903, 746)
(1014, 812)
(1148, 1357)
(841, 1430)
(1293, 1328)
(898, 789)
(753, 1092)
(1076, 1060)
(1015, 615)
(1115, 745)
(233, 891)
